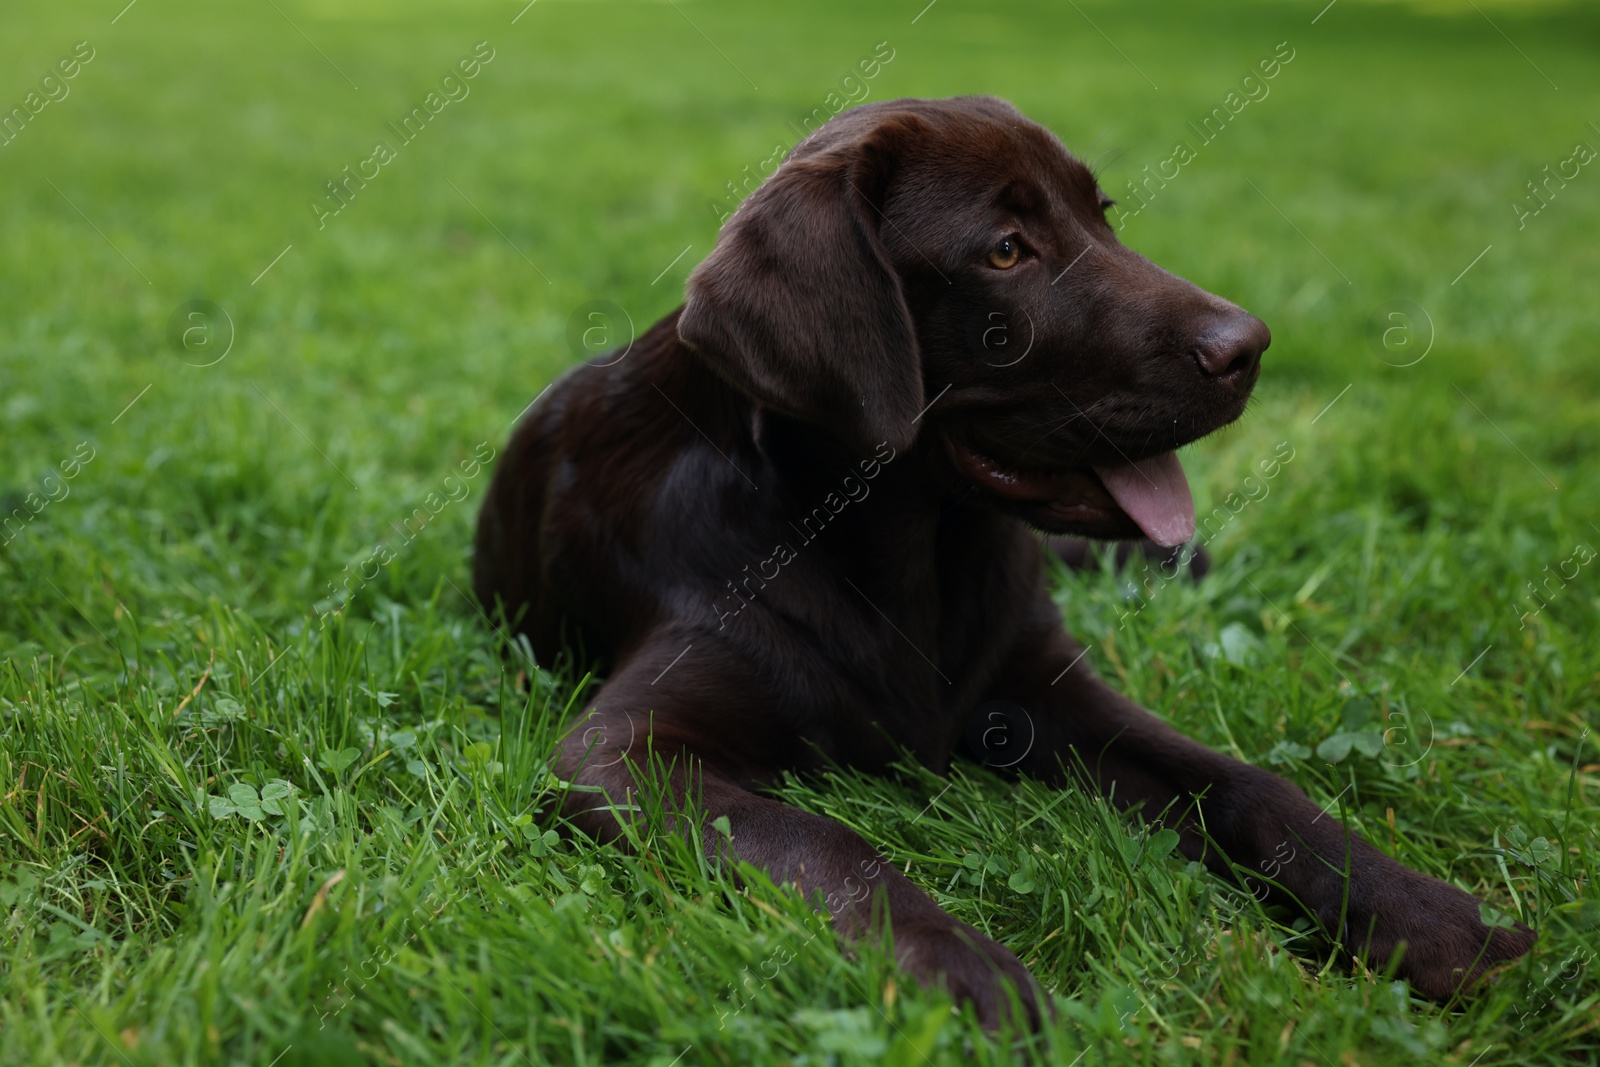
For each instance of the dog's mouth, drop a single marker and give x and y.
(1114, 500)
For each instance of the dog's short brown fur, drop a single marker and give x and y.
(798, 519)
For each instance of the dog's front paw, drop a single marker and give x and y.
(1444, 945)
(974, 969)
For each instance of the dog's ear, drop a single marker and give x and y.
(799, 306)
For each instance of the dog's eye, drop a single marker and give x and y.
(1006, 254)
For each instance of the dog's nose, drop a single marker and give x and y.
(1230, 350)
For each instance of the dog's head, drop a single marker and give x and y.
(945, 267)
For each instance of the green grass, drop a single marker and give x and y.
(368, 883)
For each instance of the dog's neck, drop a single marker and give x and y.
(890, 503)
(901, 506)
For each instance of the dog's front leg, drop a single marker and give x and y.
(702, 724)
(1294, 851)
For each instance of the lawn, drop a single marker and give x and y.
(267, 776)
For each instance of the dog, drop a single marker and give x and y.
(800, 518)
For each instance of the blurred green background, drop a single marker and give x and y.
(1434, 369)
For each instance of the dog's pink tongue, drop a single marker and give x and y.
(1155, 494)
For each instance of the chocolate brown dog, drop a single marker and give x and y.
(798, 516)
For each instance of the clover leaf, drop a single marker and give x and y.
(336, 760)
